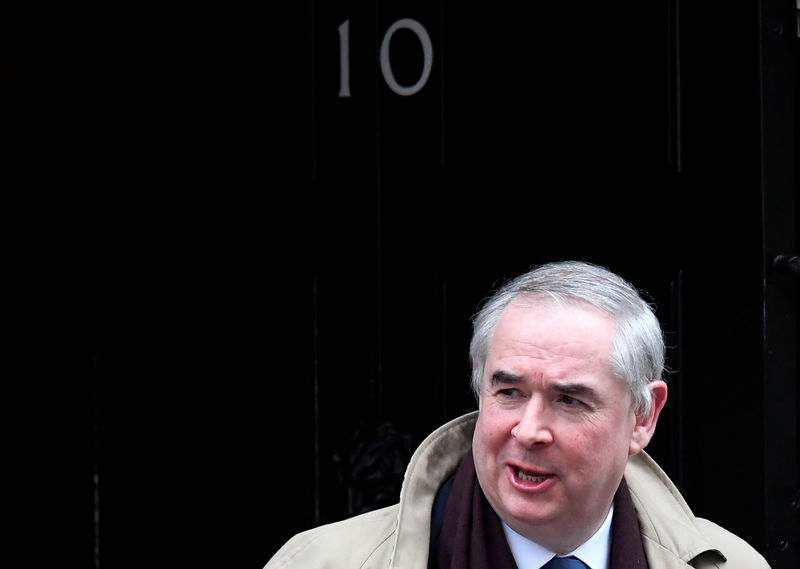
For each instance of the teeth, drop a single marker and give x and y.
(530, 477)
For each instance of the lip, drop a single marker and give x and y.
(529, 486)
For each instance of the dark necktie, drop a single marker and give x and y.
(565, 563)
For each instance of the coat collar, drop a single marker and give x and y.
(669, 528)
(434, 461)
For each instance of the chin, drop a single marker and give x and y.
(530, 515)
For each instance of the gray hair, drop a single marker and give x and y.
(637, 349)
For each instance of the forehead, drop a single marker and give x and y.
(541, 328)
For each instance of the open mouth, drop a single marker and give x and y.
(530, 482)
(530, 476)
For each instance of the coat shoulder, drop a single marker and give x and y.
(354, 542)
(672, 535)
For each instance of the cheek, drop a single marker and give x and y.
(488, 436)
(582, 446)
(594, 446)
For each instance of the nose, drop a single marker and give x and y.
(533, 427)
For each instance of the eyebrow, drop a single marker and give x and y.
(503, 377)
(565, 387)
(576, 389)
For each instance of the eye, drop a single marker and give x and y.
(508, 393)
(568, 400)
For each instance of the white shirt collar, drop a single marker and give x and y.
(594, 551)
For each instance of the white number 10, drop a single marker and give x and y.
(386, 65)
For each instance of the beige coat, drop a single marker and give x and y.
(397, 536)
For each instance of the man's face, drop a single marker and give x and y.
(555, 425)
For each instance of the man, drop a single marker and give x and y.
(549, 472)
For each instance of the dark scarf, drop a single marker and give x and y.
(472, 535)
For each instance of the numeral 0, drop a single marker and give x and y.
(386, 65)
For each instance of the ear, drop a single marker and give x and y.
(646, 424)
